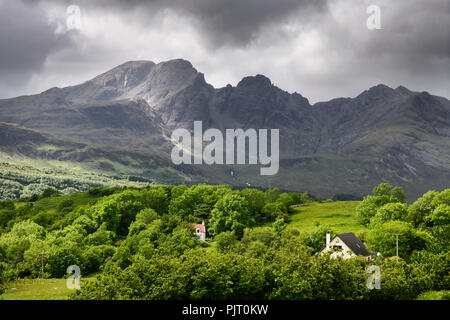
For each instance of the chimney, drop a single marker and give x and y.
(203, 223)
(328, 240)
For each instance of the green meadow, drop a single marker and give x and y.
(339, 215)
(39, 289)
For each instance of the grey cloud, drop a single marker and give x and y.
(238, 36)
(221, 22)
(238, 22)
(414, 28)
(412, 49)
(27, 39)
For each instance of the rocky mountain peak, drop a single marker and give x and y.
(175, 64)
(257, 81)
(128, 74)
(343, 144)
(403, 90)
(379, 90)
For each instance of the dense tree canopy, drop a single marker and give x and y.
(141, 244)
(231, 213)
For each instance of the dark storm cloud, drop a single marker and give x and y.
(26, 40)
(221, 22)
(415, 28)
(236, 22)
(320, 48)
(411, 49)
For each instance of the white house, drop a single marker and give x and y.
(346, 245)
(200, 231)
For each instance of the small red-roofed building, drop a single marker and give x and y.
(200, 231)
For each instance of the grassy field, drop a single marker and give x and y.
(339, 215)
(39, 289)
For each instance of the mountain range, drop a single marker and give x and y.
(120, 122)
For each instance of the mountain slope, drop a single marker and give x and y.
(342, 146)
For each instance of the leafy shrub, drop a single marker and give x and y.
(231, 214)
(435, 295)
(317, 237)
(226, 241)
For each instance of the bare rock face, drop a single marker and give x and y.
(345, 145)
(110, 85)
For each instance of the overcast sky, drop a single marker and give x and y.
(321, 49)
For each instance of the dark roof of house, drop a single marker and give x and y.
(354, 243)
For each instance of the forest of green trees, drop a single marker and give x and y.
(139, 243)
